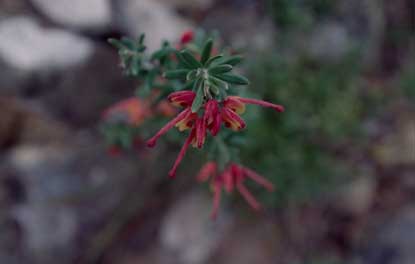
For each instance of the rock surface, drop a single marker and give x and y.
(77, 14)
(158, 21)
(27, 46)
(188, 232)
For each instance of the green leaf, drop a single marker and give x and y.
(206, 51)
(116, 43)
(219, 83)
(214, 88)
(213, 59)
(233, 78)
(233, 60)
(220, 69)
(187, 58)
(176, 74)
(198, 101)
(191, 75)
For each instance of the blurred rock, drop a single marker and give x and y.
(10, 119)
(30, 54)
(27, 46)
(250, 241)
(188, 233)
(49, 231)
(398, 148)
(393, 242)
(81, 94)
(93, 15)
(356, 197)
(188, 5)
(329, 42)
(158, 21)
(365, 21)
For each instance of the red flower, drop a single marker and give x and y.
(182, 98)
(186, 37)
(237, 104)
(212, 117)
(190, 138)
(232, 177)
(183, 120)
(233, 106)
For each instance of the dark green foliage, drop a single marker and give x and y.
(298, 150)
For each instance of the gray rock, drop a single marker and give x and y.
(393, 242)
(187, 231)
(92, 15)
(158, 21)
(26, 46)
(357, 196)
(188, 5)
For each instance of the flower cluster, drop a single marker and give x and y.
(215, 113)
(197, 75)
(232, 177)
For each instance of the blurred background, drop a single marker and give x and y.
(342, 155)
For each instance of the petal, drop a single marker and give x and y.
(187, 122)
(250, 199)
(228, 179)
(232, 120)
(182, 98)
(217, 190)
(215, 126)
(278, 108)
(186, 37)
(258, 179)
(208, 170)
(233, 103)
(200, 132)
(211, 110)
(172, 172)
(152, 141)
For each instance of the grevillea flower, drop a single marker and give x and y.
(212, 117)
(133, 111)
(233, 106)
(183, 120)
(231, 178)
(186, 37)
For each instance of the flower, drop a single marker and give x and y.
(132, 111)
(232, 177)
(183, 120)
(212, 117)
(233, 106)
(190, 138)
(186, 37)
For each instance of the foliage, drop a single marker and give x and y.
(302, 150)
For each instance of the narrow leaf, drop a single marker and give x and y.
(198, 101)
(220, 69)
(219, 83)
(206, 51)
(116, 43)
(233, 78)
(191, 75)
(176, 74)
(190, 60)
(213, 59)
(233, 60)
